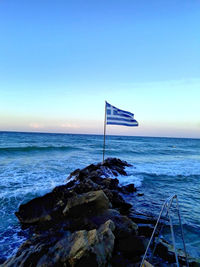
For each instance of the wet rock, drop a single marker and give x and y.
(132, 245)
(31, 251)
(73, 174)
(123, 225)
(111, 166)
(44, 208)
(95, 246)
(145, 230)
(118, 260)
(194, 263)
(70, 184)
(142, 218)
(87, 204)
(87, 186)
(162, 250)
(116, 165)
(2, 260)
(110, 183)
(166, 252)
(81, 248)
(117, 201)
(128, 189)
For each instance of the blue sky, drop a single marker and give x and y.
(60, 60)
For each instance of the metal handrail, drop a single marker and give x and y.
(167, 204)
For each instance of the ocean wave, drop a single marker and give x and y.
(180, 167)
(130, 179)
(11, 238)
(37, 149)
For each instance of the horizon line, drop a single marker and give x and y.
(145, 136)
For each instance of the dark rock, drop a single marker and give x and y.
(123, 225)
(93, 202)
(111, 165)
(87, 186)
(44, 208)
(33, 249)
(89, 171)
(194, 263)
(110, 183)
(73, 174)
(119, 261)
(145, 229)
(166, 252)
(128, 189)
(142, 218)
(140, 194)
(162, 250)
(2, 260)
(70, 184)
(49, 207)
(114, 163)
(117, 201)
(79, 249)
(132, 245)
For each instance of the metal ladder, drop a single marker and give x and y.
(167, 205)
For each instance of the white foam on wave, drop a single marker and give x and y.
(183, 167)
(124, 179)
(11, 239)
(170, 168)
(130, 179)
(107, 173)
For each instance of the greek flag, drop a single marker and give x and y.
(116, 116)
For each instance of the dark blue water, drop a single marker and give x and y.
(32, 164)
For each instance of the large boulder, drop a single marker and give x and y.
(93, 248)
(127, 189)
(44, 208)
(82, 248)
(93, 202)
(86, 186)
(117, 201)
(123, 225)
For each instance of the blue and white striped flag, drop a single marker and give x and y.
(116, 116)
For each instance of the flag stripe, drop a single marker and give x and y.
(123, 123)
(121, 111)
(119, 116)
(116, 116)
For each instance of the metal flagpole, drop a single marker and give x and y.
(104, 142)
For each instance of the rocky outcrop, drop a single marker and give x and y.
(110, 167)
(86, 222)
(82, 248)
(128, 189)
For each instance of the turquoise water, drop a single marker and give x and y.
(32, 164)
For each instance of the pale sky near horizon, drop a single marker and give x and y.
(60, 61)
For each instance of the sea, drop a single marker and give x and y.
(32, 164)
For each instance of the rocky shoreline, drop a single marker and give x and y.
(87, 222)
